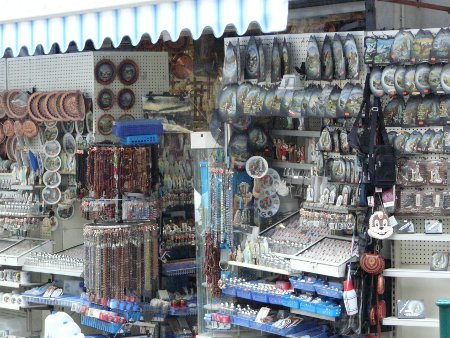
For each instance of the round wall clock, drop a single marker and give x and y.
(125, 99)
(105, 72)
(128, 72)
(105, 99)
(182, 66)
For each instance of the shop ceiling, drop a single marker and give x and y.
(29, 23)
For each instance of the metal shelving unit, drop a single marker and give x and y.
(295, 133)
(427, 322)
(416, 273)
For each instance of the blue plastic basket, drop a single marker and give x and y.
(137, 127)
(139, 140)
(325, 290)
(243, 293)
(100, 325)
(328, 309)
(260, 296)
(289, 301)
(236, 320)
(308, 306)
(229, 290)
(275, 299)
(308, 286)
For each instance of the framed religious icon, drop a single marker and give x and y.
(128, 72)
(105, 72)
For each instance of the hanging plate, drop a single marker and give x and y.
(331, 105)
(393, 112)
(297, 103)
(105, 72)
(125, 99)
(50, 134)
(433, 117)
(376, 86)
(412, 142)
(370, 49)
(313, 64)
(105, 124)
(399, 81)
(18, 131)
(435, 79)
(445, 78)
(354, 101)
(276, 62)
(67, 127)
(382, 56)
(32, 107)
(258, 139)
(230, 65)
(30, 129)
(8, 128)
(52, 163)
(421, 78)
(327, 60)
(338, 58)
(241, 122)
(401, 47)
(17, 103)
(313, 109)
(69, 144)
(286, 102)
(308, 92)
(182, 66)
(251, 69)
(323, 100)
(52, 148)
(285, 59)
(123, 117)
(410, 84)
(242, 92)
(51, 179)
(105, 99)
(128, 72)
(251, 102)
(268, 205)
(351, 57)
(271, 180)
(3, 109)
(239, 149)
(345, 93)
(268, 102)
(228, 103)
(79, 127)
(440, 47)
(387, 80)
(262, 62)
(51, 195)
(421, 48)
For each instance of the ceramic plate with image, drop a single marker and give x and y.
(69, 144)
(68, 126)
(52, 163)
(105, 99)
(90, 122)
(81, 142)
(128, 72)
(90, 139)
(79, 126)
(105, 72)
(105, 124)
(269, 204)
(271, 180)
(126, 117)
(375, 82)
(51, 179)
(51, 195)
(421, 78)
(445, 78)
(256, 167)
(65, 211)
(399, 80)
(50, 134)
(52, 148)
(125, 99)
(387, 80)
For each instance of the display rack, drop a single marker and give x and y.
(7, 257)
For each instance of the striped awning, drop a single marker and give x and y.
(133, 19)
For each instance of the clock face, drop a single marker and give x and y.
(182, 66)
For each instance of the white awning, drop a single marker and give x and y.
(29, 23)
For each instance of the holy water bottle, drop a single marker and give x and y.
(350, 298)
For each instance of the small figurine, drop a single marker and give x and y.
(309, 194)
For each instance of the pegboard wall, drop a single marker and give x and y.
(153, 76)
(298, 45)
(3, 85)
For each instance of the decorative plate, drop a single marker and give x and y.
(387, 80)
(52, 148)
(286, 102)
(421, 78)
(242, 93)
(285, 59)
(32, 108)
(79, 126)
(228, 102)
(435, 78)
(276, 61)
(269, 204)
(128, 72)
(68, 126)
(81, 142)
(445, 78)
(345, 94)
(399, 80)
(327, 60)
(354, 101)
(51, 195)
(126, 117)
(230, 67)
(50, 133)
(105, 124)
(17, 103)
(313, 64)
(105, 71)
(421, 47)
(4, 103)
(323, 99)
(352, 57)
(256, 167)
(376, 86)
(90, 122)
(2, 135)
(11, 144)
(52, 163)
(18, 130)
(41, 107)
(331, 104)
(51, 179)
(105, 99)
(50, 106)
(74, 105)
(262, 62)
(338, 58)
(8, 128)
(2, 109)
(313, 109)
(65, 211)
(69, 144)
(410, 84)
(271, 180)
(276, 105)
(410, 112)
(30, 129)
(258, 139)
(306, 97)
(125, 99)
(60, 108)
(268, 102)
(251, 69)
(90, 139)
(297, 103)
(401, 47)
(241, 122)
(254, 100)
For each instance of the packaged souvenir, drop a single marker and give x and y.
(370, 49)
(440, 47)
(409, 80)
(445, 78)
(262, 62)
(228, 103)
(401, 47)
(325, 141)
(336, 144)
(444, 109)
(422, 46)
(412, 142)
(313, 64)
(434, 78)
(242, 93)
(391, 137)
(382, 56)
(327, 60)
(297, 102)
(431, 103)
(403, 171)
(446, 140)
(436, 172)
(345, 94)
(436, 145)
(410, 201)
(424, 143)
(331, 104)
(351, 57)
(230, 66)
(387, 80)
(343, 141)
(276, 62)
(375, 82)
(421, 78)
(338, 58)
(446, 202)
(410, 112)
(313, 109)
(399, 81)
(431, 201)
(254, 101)
(306, 97)
(400, 141)
(393, 112)
(285, 59)
(323, 100)
(252, 66)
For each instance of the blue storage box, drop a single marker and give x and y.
(275, 299)
(307, 285)
(290, 302)
(332, 289)
(137, 127)
(328, 309)
(243, 293)
(139, 140)
(260, 296)
(229, 290)
(236, 320)
(308, 306)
